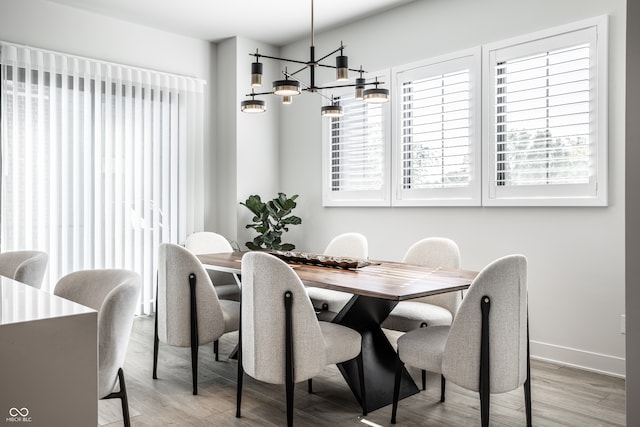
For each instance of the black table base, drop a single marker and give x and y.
(365, 314)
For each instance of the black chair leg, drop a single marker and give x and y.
(289, 384)
(527, 383)
(239, 385)
(443, 385)
(485, 306)
(396, 389)
(215, 349)
(363, 392)
(156, 341)
(310, 386)
(124, 400)
(424, 372)
(194, 333)
(122, 395)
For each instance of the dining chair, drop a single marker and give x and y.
(207, 242)
(27, 267)
(432, 310)
(113, 294)
(330, 302)
(188, 310)
(486, 348)
(281, 340)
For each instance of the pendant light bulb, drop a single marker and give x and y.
(342, 66)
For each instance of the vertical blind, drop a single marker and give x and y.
(100, 162)
(543, 118)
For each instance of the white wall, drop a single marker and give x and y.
(248, 144)
(576, 255)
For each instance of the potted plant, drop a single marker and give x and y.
(270, 220)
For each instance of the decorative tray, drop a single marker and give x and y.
(321, 260)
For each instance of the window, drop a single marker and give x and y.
(356, 153)
(95, 160)
(546, 131)
(437, 131)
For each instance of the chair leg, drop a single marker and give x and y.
(194, 333)
(124, 400)
(215, 349)
(240, 370)
(363, 392)
(527, 383)
(289, 384)
(310, 386)
(122, 395)
(156, 341)
(424, 372)
(396, 389)
(443, 385)
(485, 306)
(239, 384)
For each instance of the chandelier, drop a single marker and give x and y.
(291, 86)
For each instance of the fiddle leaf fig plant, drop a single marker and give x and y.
(270, 220)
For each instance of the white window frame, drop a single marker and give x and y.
(379, 197)
(594, 31)
(469, 195)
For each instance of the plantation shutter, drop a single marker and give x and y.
(437, 134)
(544, 119)
(356, 154)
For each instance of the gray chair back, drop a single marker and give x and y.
(352, 245)
(504, 281)
(175, 264)
(27, 267)
(265, 279)
(114, 295)
(437, 252)
(207, 242)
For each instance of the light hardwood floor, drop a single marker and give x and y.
(561, 396)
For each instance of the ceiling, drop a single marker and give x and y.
(276, 22)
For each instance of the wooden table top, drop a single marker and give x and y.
(381, 279)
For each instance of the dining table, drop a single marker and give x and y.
(377, 287)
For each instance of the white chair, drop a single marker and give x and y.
(282, 341)
(27, 267)
(188, 311)
(330, 302)
(207, 242)
(486, 348)
(114, 295)
(432, 310)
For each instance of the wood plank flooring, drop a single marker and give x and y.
(562, 396)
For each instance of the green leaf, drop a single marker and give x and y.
(271, 220)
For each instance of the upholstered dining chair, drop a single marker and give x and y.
(330, 302)
(208, 242)
(282, 341)
(432, 310)
(188, 311)
(486, 348)
(27, 267)
(114, 295)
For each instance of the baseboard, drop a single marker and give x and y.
(595, 362)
